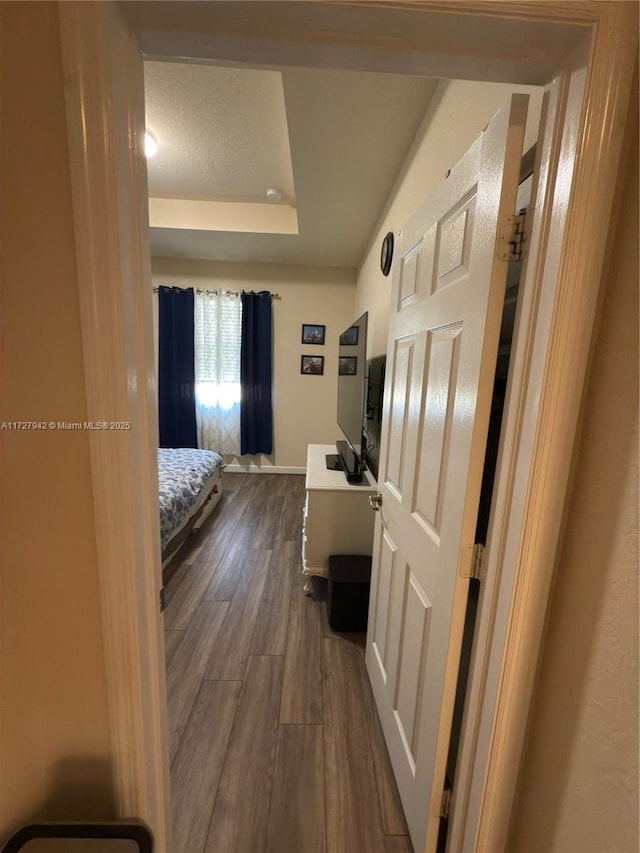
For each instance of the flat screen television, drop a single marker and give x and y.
(372, 430)
(352, 392)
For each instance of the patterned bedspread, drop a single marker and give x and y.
(182, 475)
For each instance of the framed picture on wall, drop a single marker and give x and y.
(312, 365)
(313, 334)
(350, 337)
(347, 365)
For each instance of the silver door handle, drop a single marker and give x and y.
(375, 501)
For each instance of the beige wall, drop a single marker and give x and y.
(304, 406)
(457, 114)
(54, 742)
(579, 782)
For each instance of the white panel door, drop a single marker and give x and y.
(444, 326)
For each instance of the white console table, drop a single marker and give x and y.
(337, 516)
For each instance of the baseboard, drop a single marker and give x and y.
(234, 467)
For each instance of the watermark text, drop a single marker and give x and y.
(17, 426)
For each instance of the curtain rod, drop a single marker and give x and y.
(225, 292)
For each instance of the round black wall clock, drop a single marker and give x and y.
(386, 255)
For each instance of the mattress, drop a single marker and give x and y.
(186, 478)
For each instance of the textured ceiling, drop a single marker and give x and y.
(348, 135)
(222, 131)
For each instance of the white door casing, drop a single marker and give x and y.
(446, 310)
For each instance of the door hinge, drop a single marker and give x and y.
(445, 805)
(512, 236)
(163, 599)
(473, 560)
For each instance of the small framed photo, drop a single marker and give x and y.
(350, 337)
(347, 365)
(312, 334)
(312, 365)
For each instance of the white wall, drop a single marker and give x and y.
(457, 114)
(304, 407)
(54, 737)
(579, 780)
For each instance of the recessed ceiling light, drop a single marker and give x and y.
(150, 145)
(274, 194)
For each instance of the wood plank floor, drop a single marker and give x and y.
(275, 741)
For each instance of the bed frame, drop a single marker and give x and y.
(194, 523)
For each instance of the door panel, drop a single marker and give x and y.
(386, 560)
(443, 340)
(440, 375)
(399, 409)
(410, 270)
(455, 236)
(415, 641)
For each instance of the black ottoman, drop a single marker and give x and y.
(348, 591)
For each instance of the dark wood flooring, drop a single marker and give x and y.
(275, 741)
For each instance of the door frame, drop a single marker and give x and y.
(484, 759)
(535, 475)
(105, 126)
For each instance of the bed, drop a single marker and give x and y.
(190, 486)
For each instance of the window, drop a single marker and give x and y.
(217, 336)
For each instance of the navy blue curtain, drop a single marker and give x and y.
(176, 370)
(256, 415)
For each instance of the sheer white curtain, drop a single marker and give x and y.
(217, 333)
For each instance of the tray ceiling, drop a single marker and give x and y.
(333, 142)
